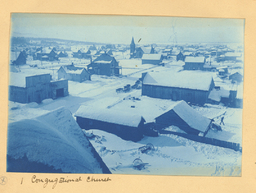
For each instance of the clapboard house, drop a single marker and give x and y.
(70, 72)
(185, 117)
(193, 87)
(124, 125)
(194, 63)
(104, 65)
(155, 59)
(35, 88)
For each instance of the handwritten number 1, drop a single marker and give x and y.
(21, 180)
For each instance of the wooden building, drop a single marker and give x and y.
(194, 63)
(21, 59)
(35, 88)
(70, 72)
(152, 59)
(185, 117)
(236, 77)
(193, 87)
(180, 56)
(104, 65)
(124, 125)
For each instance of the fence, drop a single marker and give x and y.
(206, 140)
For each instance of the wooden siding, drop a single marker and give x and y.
(125, 132)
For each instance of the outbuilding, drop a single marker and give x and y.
(185, 117)
(191, 87)
(194, 63)
(152, 59)
(125, 125)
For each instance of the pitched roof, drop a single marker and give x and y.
(109, 115)
(184, 79)
(151, 57)
(190, 116)
(190, 59)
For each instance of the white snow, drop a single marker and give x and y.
(190, 59)
(184, 79)
(53, 139)
(151, 57)
(109, 115)
(190, 116)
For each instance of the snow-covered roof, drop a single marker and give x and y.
(184, 79)
(216, 95)
(190, 59)
(109, 115)
(151, 57)
(190, 116)
(19, 78)
(55, 140)
(102, 62)
(187, 53)
(232, 54)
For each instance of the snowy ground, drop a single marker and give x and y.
(173, 155)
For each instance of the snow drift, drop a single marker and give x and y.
(51, 143)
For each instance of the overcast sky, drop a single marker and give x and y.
(120, 29)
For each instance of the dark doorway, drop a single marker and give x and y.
(60, 92)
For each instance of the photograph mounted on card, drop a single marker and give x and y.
(145, 95)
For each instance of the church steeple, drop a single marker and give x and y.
(132, 48)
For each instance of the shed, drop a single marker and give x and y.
(180, 56)
(125, 125)
(192, 87)
(184, 117)
(152, 59)
(194, 63)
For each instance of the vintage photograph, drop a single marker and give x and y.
(144, 95)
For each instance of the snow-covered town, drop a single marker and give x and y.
(137, 108)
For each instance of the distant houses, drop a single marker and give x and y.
(152, 59)
(124, 125)
(73, 73)
(35, 88)
(82, 54)
(191, 87)
(139, 51)
(46, 55)
(186, 118)
(104, 65)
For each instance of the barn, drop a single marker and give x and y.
(73, 73)
(104, 65)
(185, 117)
(152, 59)
(194, 63)
(35, 88)
(193, 87)
(125, 125)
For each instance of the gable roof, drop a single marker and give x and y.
(190, 59)
(71, 69)
(104, 57)
(109, 115)
(184, 79)
(190, 116)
